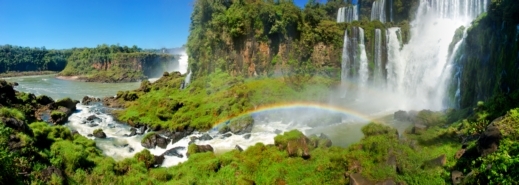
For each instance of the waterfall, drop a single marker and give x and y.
(396, 68)
(415, 75)
(348, 14)
(378, 55)
(390, 10)
(363, 59)
(344, 62)
(378, 11)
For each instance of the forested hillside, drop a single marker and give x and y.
(255, 37)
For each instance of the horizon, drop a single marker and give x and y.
(58, 24)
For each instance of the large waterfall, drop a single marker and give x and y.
(414, 75)
(354, 59)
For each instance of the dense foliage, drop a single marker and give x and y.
(16, 58)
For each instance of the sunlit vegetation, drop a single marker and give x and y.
(18, 59)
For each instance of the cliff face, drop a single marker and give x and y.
(112, 65)
(489, 61)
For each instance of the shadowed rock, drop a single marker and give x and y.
(175, 152)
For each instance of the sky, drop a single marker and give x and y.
(62, 24)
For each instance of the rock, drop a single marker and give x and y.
(44, 100)
(93, 118)
(16, 124)
(47, 173)
(460, 153)
(391, 161)
(89, 100)
(90, 135)
(387, 182)
(174, 152)
(439, 161)
(67, 103)
(226, 135)
(15, 83)
(205, 137)
(193, 148)
(240, 125)
(358, 179)
(131, 149)
(489, 140)
(277, 131)
(133, 132)
(158, 160)
(419, 128)
(93, 124)
(294, 142)
(246, 136)
(321, 141)
(98, 133)
(237, 147)
(7, 93)
(151, 140)
(456, 177)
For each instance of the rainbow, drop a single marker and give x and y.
(295, 105)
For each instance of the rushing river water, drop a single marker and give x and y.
(119, 146)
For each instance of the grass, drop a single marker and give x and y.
(11, 113)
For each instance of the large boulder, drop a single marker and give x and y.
(295, 143)
(489, 141)
(16, 124)
(47, 173)
(87, 100)
(151, 140)
(320, 141)
(193, 149)
(7, 93)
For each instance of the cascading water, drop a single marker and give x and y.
(418, 73)
(348, 14)
(378, 11)
(363, 59)
(396, 68)
(378, 56)
(344, 62)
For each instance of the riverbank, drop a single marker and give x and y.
(26, 73)
(74, 78)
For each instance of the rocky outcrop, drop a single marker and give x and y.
(151, 140)
(98, 133)
(238, 147)
(295, 143)
(320, 141)
(16, 124)
(87, 100)
(177, 135)
(241, 125)
(7, 93)
(489, 141)
(47, 173)
(456, 177)
(158, 160)
(193, 149)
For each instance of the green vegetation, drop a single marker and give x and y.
(19, 59)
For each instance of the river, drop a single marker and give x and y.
(119, 146)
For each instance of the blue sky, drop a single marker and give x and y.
(60, 24)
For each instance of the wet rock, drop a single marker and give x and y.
(133, 132)
(456, 177)
(98, 133)
(111, 125)
(153, 139)
(93, 118)
(246, 136)
(158, 160)
(489, 140)
(89, 100)
(44, 100)
(74, 132)
(240, 125)
(226, 135)
(90, 135)
(131, 149)
(205, 137)
(93, 124)
(237, 147)
(7, 93)
(15, 83)
(278, 131)
(175, 152)
(199, 149)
